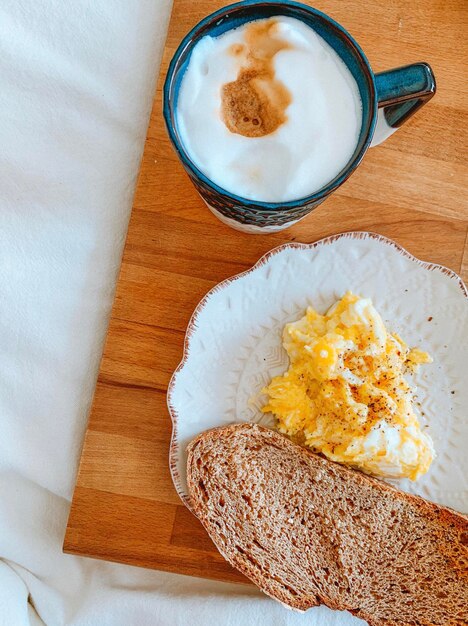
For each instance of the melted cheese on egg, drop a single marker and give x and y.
(345, 393)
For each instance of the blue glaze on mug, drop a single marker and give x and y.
(404, 90)
(256, 216)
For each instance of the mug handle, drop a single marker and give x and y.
(400, 93)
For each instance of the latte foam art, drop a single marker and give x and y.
(268, 111)
(255, 103)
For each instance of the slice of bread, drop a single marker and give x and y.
(308, 531)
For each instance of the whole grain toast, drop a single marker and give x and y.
(308, 531)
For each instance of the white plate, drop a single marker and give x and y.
(233, 344)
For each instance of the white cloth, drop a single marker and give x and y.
(77, 80)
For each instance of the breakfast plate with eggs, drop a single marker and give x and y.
(349, 346)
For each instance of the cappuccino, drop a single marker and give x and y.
(269, 111)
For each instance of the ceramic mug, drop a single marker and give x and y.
(388, 100)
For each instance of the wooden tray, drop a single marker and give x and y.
(411, 189)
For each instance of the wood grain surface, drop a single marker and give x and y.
(412, 189)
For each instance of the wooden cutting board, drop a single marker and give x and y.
(412, 189)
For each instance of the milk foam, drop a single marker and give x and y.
(307, 151)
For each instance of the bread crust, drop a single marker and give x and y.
(235, 454)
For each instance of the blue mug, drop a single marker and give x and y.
(388, 100)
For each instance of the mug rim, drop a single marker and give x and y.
(192, 38)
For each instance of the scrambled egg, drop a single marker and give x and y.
(345, 394)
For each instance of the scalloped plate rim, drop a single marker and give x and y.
(360, 235)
